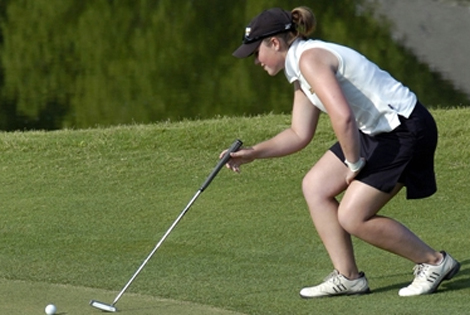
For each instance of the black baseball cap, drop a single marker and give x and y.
(267, 23)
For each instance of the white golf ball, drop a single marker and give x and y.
(50, 309)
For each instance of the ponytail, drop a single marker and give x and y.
(304, 25)
(304, 20)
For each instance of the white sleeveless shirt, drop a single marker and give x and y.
(375, 97)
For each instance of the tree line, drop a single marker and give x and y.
(82, 63)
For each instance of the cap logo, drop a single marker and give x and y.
(247, 31)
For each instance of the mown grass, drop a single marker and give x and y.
(85, 207)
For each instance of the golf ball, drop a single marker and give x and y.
(50, 309)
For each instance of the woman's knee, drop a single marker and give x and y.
(312, 191)
(349, 223)
(307, 184)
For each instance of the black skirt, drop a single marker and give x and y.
(404, 155)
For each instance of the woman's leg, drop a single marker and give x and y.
(320, 186)
(357, 214)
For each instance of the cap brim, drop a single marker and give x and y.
(246, 50)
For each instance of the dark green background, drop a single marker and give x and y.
(82, 63)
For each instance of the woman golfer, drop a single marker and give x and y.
(386, 140)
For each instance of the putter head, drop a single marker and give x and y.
(103, 306)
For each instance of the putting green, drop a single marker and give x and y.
(21, 297)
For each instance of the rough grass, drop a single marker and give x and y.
(83, 208)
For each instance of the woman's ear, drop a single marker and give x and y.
(275, 43)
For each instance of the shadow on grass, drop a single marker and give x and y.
(460, 281)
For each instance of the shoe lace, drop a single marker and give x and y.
(419, 270)
(333, 276)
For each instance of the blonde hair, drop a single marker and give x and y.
(305, 23)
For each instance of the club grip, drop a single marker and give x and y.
(233, 148)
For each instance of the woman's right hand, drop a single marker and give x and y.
(242, 156)
(352, 174)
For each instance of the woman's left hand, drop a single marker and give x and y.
(242, 156)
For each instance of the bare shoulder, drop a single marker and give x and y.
(317, 59)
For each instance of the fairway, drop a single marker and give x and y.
(25, 298)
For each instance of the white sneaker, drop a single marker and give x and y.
(429, 277)
(337, 284)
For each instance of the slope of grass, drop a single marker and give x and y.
(85, 207)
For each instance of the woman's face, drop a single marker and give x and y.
(270, 56)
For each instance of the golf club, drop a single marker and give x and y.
(111, 307)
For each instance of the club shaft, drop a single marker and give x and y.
(178, 219)
(234, 147)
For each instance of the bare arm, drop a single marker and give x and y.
(303, 126)
(296, 137)
(319, 68)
